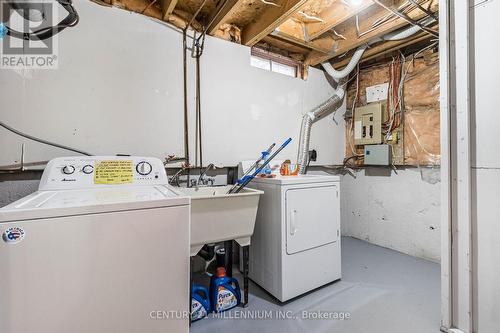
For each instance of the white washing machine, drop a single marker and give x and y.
(296, 242)
(103, 246)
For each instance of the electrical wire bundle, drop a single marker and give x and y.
(394, 97)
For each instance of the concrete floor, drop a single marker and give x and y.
(382, 291)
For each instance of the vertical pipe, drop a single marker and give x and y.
(245, 275)
(186, 128)
(198, 94)
(186, 133)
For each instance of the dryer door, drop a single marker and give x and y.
(313, 217)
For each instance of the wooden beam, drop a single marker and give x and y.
(349, 31)
(282, 45)
(386, 47)
(334, 15)
(222, 13)
(167, 7)
(323, 45)
(270, 20)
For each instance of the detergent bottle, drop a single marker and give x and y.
(200, 303)
(224, 291)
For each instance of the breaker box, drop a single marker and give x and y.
(368, 124)
(377, 155)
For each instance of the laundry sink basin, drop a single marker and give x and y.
(217, 216)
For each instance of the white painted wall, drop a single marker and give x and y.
(486, 169)
(118, 89)
(400, 212)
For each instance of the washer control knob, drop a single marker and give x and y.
(68, 169)
(143, 168)
(87, 169)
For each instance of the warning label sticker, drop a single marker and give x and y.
(113, 172)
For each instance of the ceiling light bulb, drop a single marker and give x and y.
(356, 2)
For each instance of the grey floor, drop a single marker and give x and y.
(382, 291)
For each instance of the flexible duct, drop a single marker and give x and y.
(402, 34)
(335, 101)
(337, 75)
(397, 35)
(330, 105)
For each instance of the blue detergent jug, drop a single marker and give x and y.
(200, 303)
(224, 291)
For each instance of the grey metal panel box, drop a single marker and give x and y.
(377, 155)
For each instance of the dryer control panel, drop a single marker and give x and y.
(67, 173)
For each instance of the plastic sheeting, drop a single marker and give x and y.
(422, 119)
(421, 138)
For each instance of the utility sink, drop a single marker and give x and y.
(217, 216)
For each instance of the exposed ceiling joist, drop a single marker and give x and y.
(325, 29)
(287, 49)
(320, 46)
(335, 15)
(349, 30)
(223, 11)
(269, 20)
(386, 47)
(167, 7)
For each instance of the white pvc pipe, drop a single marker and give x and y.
(340, 74)
(397, 35)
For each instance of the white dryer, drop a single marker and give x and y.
(103, 246)
(296, 243)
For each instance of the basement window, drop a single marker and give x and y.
(275, 63)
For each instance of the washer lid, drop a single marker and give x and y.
(299, 179)
(46, 204)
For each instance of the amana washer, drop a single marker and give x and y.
(102, 246)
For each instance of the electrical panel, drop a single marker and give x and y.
(378, 155)
(368, 124)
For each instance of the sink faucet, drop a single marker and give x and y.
(203, 173)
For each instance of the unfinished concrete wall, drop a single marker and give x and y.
(401, 212)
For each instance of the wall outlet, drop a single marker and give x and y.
(377, 93)
(313, 155)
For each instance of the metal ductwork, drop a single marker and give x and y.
(326, 108)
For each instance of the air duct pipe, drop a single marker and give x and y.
(397, 35)
(335, 101)
(329, 106)
(337, 75)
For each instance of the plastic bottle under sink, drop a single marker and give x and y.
(224, 291)
(200, 302)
